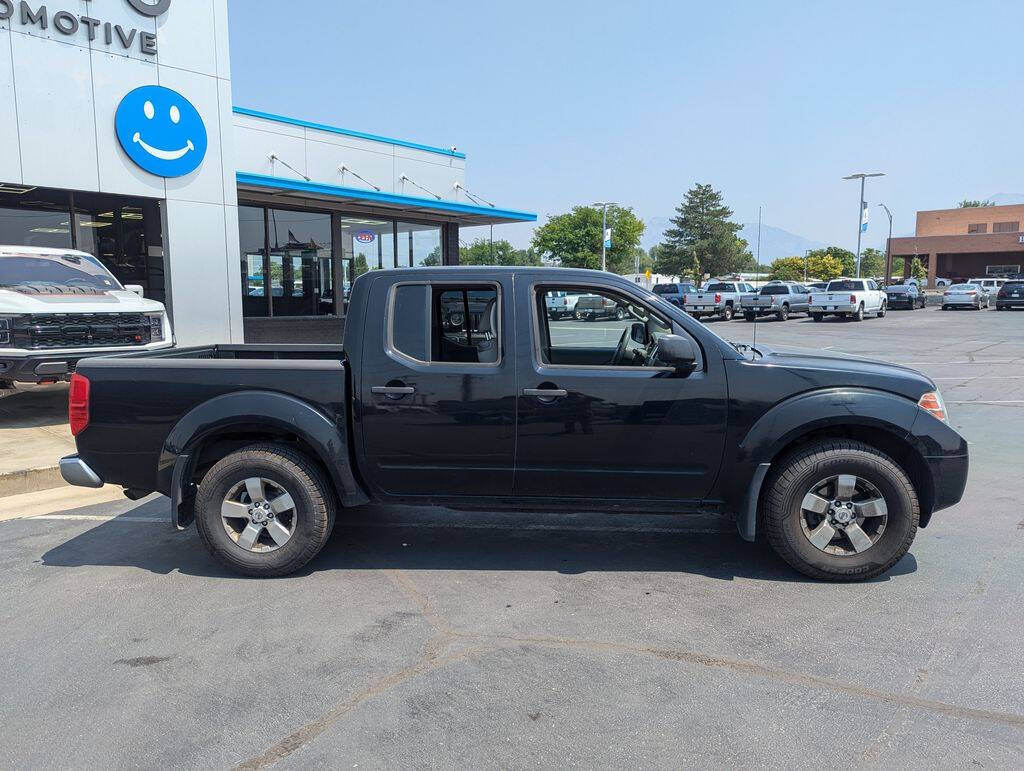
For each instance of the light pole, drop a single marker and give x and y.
(860, 211)
(888, 247)
(604, 227)
(807, 256)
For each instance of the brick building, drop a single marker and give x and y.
(965, 243)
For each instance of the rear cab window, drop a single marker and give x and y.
(445, 323)
(721, 288)
(845, 286)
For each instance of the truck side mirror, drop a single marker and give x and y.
(136, 289)
(677, 351)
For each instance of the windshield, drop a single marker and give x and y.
(55, 274)
(846, 286)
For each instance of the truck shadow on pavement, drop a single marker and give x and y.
(373, 539)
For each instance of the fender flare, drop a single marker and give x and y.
(803, 414)
(327, 438)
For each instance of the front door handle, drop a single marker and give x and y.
(546, 393)
(393, 390)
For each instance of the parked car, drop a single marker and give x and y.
(561, 305)
(965, 296)
(718, 298)
(990, 285)
(592, 307)
(778, 299)
(848, 298)
(259, 445)
(58, 306)
(1011, 295)
(904, 296)
(674, 293)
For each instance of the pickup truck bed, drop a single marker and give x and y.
(455, 387)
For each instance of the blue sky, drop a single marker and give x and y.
(562, 103)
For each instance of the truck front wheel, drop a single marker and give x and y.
(265, 510)
(840, 510)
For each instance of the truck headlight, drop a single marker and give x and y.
(5, 330)
(156, 327)
(932, 403)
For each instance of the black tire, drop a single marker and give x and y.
(859, 315)
(818, 316)
(800, 470)
(620, 314)
(783, 313)
(750, 316)
(727, 313)
(293, 472)
(881, 310)
(945, 307)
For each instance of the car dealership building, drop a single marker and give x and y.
(118, 137)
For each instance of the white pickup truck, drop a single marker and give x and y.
(718, 298)
(852, 298)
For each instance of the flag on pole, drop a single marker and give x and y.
(608, 238)
(864, 219)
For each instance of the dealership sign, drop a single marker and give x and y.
(40, 17)
(161, 131)
(365, 236)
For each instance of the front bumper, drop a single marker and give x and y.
(42, 366)
(77, 472)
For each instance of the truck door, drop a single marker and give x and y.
(598, 420)
(436, 407)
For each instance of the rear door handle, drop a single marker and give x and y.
(393, 390)
(546, 393)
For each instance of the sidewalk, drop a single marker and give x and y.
(34, 436)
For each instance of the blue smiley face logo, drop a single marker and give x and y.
(161, 131)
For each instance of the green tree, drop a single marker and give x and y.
(969, 203)
(847, 259)
(872, 262)
(824, 267)
(702, 234)
(574, 239)
(433, 259)
(918, 270)
(482, 252)
(787, 269)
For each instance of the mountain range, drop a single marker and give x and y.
(775, 242)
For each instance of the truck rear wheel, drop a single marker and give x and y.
(749, 316)
(840, 510)
(727, 313)
(265, 510)
(783, 313)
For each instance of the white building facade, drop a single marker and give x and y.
(118, 137)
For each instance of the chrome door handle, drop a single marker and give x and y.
(393, 390)
(546, 393)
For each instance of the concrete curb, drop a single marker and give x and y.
(30, 481)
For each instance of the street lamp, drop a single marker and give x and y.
(604, 227)
(888, 247)
(860, 211)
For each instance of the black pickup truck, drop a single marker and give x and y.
(454, 387)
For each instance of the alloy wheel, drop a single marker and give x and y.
(258, 515)
(843, 515)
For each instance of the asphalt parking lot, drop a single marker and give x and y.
(434, 638)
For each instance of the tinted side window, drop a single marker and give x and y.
(465, 324)
(410, 330)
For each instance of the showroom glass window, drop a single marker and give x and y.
(366, 244)
(253, 241)
(419, 244)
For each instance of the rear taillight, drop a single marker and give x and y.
(808, 299)
(932, 403)
(718, 299)
(684, 299)
(853, 299)
(78, 404)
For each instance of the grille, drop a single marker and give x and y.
(51, 331)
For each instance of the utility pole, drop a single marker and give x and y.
(888, 247)
(862, 224)
(807, 256)
(604, 230)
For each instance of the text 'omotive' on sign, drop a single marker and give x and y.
(39, 17)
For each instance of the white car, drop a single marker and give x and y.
(561, 304)
(990, 285)
(59, 305)
(849, 298)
